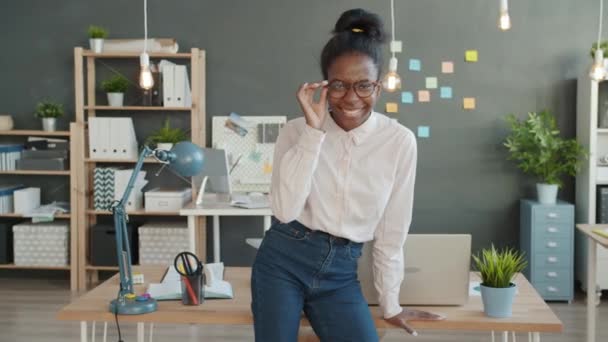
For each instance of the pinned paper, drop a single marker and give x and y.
(395, 46)
(431, 82)
(391, 107)
(446, 92)
(424, 96)
(407, 97)
(415, 65)
(468, 103)
(471, 56)
(255, 156)
(447, 67)
(424, 131)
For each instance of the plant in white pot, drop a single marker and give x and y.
(97, 34)
(539, 150)
(115, 87)
(497, 269)
(49, 111)
(165, 137)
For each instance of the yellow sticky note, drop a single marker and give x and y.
(471, 56)
(447, 67)
(468, 103)
(424, 96)
(267, 168)
(391, 107)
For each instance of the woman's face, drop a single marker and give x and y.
(351, 107)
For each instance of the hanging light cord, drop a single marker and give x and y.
(393, 24)
(145, 26)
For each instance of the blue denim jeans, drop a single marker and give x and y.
(297, 269)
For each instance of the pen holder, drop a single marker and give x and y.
(193, 291)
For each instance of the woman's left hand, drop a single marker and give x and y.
(406, 315)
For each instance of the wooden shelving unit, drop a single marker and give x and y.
(72, 267)
(86, 107)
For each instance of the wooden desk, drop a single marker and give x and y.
(211, 207)
(530, 312)
(594, 240)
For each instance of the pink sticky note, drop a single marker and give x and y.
(468, 103)
(447, 67)
(424, 96)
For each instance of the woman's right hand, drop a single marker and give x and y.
(314, 112)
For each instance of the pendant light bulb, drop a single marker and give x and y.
(146, 81)
(391, 81)
(504, 21)
(598, 72)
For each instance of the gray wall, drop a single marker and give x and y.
(258, 52)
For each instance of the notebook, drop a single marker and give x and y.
(170, 287)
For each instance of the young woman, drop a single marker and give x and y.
(343, 175)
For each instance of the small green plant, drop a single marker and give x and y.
(603, 46)
(48, 109)
(498, 267)
(536, 145)
(97, 32)
(166, 134)
(116, 84)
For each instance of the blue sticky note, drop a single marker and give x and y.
(424, 131)
(415, 65)
(446, 92)
(407, 97)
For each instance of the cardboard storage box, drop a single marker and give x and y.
(167, 200)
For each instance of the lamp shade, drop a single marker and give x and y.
(186, 159)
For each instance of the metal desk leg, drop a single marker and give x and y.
(591, 283)
(267, 223)
(529, 336)
(93, 332)
(216, 238)
(513, 336)
(493, 340)
(105, 331)
(191, 233)
(140, 332)
(505, 336)
(536, 336)
(83, 331)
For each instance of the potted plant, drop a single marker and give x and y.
(96, 36)
(166, 137)
(49, 111)
(497, 270)
(537, 147)
(115, 87)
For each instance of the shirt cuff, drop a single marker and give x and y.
(391, 308)
(311, 139)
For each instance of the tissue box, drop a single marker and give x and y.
(167, 200)
(26, 200)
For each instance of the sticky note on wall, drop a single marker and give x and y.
(447, 67)
(431, 82)
(424, 131)
(424, 96)
(446, 92)
(469, 103)
(392, 107)
(471, 56)
(415, 65)
(407, 97)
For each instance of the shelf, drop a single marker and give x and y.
(36, 132)
(89, 53)
(104, 268)
(147, 160)
(140, 108)
(18, 267)
(36, 172)
(135, 213)
(21, 216)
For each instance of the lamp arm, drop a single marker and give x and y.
(123, 248)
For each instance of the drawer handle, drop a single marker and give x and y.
(552, 274)
(552, 230)
(552, 259)
(551, 244)
(551, 289)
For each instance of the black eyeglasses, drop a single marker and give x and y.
(338, 89)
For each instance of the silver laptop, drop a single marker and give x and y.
(436, 270)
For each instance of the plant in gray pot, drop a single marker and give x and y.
(539, 150)
(49, 111)
(115, 87)
(97, 34)
(497, 269)
(165, 137)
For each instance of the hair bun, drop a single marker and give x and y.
(360, 21)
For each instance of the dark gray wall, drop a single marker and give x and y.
(258, 52)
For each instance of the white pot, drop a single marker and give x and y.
(6, 122)
(96, 44)
(547, 193)
(164, 146)
(115, 99)
(49, 124)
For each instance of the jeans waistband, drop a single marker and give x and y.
(336, 239)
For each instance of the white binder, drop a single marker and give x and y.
(123, 140)
(181, 88)
(136, 198)
(168, 76)
(99, 138)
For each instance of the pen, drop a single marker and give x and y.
(189, 287)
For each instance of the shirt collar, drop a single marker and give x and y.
(358, 134)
